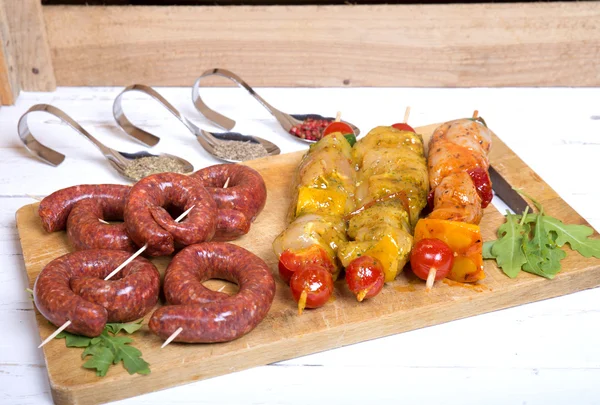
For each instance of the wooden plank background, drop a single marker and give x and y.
(442, 45)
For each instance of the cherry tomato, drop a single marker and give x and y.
(311, 286)
(403, 127)
(290, 262)
(483, 184)
(431, 254)
(337, 126)
(364, 276)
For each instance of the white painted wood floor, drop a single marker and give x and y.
(541, 353)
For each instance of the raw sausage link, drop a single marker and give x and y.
(207, 316)
(85, 231)
(72, 287)
(240, 203)
(147, 220)
(55, 208)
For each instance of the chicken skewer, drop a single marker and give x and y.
(324, 189)
(391, 191)
(460, 190)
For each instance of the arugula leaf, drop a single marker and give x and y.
(507, 249)
(132, 360)
(534, 241)
(101, 361)
(487, 249)
(115, 328)
(108, 348)
(577, 236)
(72, 340)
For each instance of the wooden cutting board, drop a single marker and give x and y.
(403, 305)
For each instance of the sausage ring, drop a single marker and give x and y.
(240, 203)
(72, 287)
(147, 220)
(55, 208)
(85, 231)
(208, 316)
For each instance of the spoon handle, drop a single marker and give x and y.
(284, 119)
(50, 156)
(138, 133)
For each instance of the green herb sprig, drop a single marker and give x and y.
(532, 243)
(108, 348)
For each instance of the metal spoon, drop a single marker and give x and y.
(208, 140)
(287, 121)
(118, 160)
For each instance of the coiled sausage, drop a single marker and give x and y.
(72, 287)
(208, 316)
(240, 203)
(148, 221)
(55, 208)
(85, 231)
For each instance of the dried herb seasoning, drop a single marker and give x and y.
(241, 151)
(142, 167)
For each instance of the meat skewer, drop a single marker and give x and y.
(392, 189)
(460, 190)
(324, 187)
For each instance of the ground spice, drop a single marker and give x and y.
(310, 129)
(142, 167)
(240, 151)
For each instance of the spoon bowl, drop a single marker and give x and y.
(120, 161)
(210, 141)
(287, 121)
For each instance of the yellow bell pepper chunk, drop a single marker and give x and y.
(465, 241)
(319, 201)
(386, 250)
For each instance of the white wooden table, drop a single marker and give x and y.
(541, 353)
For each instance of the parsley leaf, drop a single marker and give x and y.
(108, 348)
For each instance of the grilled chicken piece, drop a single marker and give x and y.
(324, 188)
(390, 162)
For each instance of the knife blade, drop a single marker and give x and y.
(504, 190)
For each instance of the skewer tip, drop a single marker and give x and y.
(54, 334)
(173, 336)
(406, 114)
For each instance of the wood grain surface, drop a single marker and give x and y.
(9, 79)
(27, 33)
(403, 304)
(441, 45)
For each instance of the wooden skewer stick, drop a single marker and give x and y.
(338, 116)
(115, 271)
(173, 336)
(103, 221)
(180, 329)
(56, 332)
(406, 115)
(430, 279)
(34, 197)
(475, 114)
